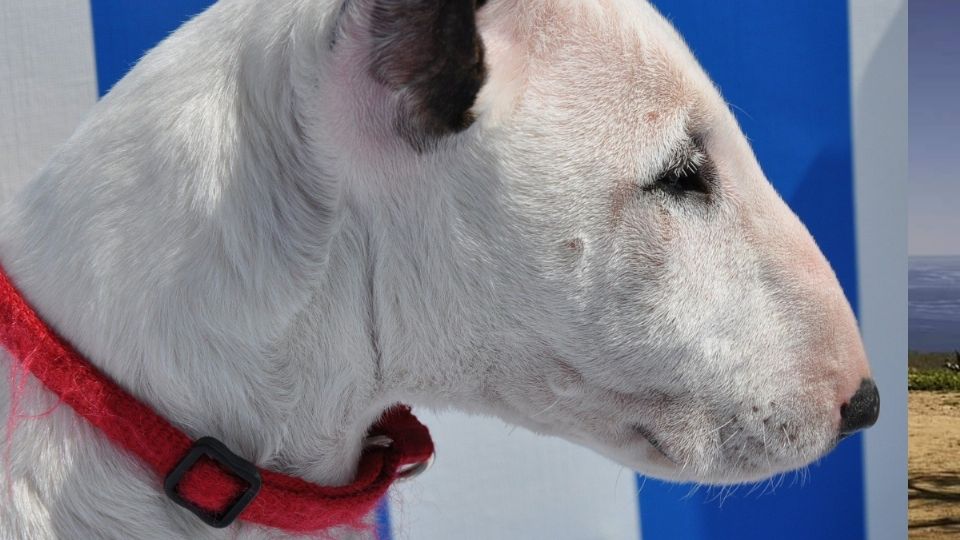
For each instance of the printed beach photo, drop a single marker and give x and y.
(934, 271)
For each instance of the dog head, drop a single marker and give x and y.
(674, 313)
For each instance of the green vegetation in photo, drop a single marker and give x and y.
(934, 371)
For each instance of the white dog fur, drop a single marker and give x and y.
(240, 236)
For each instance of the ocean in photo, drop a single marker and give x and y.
(934, 303)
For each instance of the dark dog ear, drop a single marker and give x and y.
(429, 54)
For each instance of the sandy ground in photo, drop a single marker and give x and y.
(934, 465)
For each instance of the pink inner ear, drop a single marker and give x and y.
(507, 62)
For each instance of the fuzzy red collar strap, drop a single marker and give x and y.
(204, 476)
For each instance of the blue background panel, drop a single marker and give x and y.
(784, 68)
(123, 31)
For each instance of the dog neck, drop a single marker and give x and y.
(281, 368)
(219, 288)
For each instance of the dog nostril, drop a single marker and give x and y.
(862, 410)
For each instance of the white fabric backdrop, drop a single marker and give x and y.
(47, 81)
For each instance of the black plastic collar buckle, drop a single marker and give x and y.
(232, 463)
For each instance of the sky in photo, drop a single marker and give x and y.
(934, 127)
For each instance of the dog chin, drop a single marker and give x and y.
(650, 458)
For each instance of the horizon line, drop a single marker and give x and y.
(933, 254)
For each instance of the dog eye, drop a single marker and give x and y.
(680, 181)
(691, 173)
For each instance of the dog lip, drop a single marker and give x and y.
(653, 441)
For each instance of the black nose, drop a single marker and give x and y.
(862, 410)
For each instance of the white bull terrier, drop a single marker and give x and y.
(294, 214)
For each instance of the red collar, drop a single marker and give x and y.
(204, 476)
